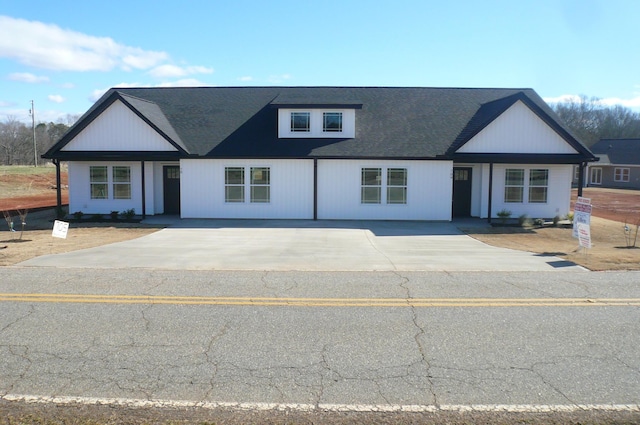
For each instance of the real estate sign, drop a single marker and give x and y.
(581, 214)
(60, 229)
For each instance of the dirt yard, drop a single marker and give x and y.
(29, 188)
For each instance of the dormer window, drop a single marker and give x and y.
(309, 123)
(300, 122)
(332, 121)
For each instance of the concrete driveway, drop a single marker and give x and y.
(304, 245)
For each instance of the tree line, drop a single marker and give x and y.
(587, 118)
(590, 120)
(16, 139)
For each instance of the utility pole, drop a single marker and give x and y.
(33, 127)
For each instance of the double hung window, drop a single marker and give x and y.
(519, 181)
(392, 182)
(396, 186)
(121, 182)
(538, 182)
(258, 185)
(371, 186)
(99, 182)
(234, 184)
(105, 185)
(513, 185)
(621, 174)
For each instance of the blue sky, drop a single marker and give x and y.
(63, 55)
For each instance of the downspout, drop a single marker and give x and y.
(144, 194)
(581, 178)
(315, 189)
(490, 190)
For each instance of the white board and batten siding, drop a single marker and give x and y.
(558, 192)
(80, 190)
(429, 191)
(202, 186)
(517, 130)
(118, 129)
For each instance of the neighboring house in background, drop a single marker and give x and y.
(379, 153)
(618, 167)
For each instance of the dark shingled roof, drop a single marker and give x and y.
(391, 122)
(619, 151)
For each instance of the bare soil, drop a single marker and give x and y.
(31, 188)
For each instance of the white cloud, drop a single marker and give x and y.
(277, 79)
(565, 98)
(48, 46)
(188, 82)
(628, 103)
(26, 77)
(246, 78)
(632, 103)
(174, 71)
(56, 98)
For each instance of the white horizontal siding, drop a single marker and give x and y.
(203, 196)
(517, 130)
(429, 191)
(118, 129)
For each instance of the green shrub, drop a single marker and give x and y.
(78, 215)
(504, 215)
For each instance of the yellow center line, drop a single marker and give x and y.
(321, 302)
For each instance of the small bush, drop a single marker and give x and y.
(78, 215)
(523, 220)
(504, 215)
(129, 214)
(114, 215)
(556, 220)
(538, 222)
(569, 217)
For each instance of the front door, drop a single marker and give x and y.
(462, 191)
(171, 181)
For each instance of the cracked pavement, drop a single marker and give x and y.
(404, 355)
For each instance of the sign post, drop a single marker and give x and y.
(582, 222)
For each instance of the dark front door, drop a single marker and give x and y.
(171, 181)
(462, 191)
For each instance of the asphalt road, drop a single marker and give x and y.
(343, 340)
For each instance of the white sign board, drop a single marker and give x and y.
(60, 229)
(584, 235)
(581, 214)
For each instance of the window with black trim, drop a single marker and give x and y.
(332, 122)
(300, 122)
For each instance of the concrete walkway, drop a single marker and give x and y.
(305, 245)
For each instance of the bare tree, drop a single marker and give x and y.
(591, 121)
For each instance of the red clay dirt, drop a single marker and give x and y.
(621, 205)
(32, 191)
